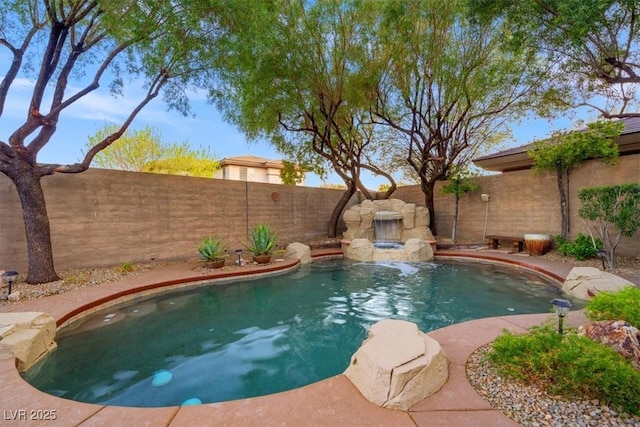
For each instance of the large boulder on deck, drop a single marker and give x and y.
(398, 365)
(27, 336)
(584, 282)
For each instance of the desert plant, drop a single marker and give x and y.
(613, 206)
(262, 240)
(581, 248)
(126, 267)
(212, 249)
(569, 365)
(621, 305)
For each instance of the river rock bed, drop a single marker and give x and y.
(531, 406)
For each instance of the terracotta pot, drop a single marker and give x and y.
(214, 264)
(538, 244)
(262, 259)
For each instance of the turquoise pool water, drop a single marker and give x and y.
(232, 341)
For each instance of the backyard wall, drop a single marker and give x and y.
(526, 202)
(105, 218)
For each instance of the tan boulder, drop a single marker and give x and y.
(28, 336)
(398, 365)
(298, 251)
(583, 282)
(360, 250)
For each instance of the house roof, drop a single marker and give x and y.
(517, 159)
(251, 161)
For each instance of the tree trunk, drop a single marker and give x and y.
(337, 211)
(427, 189)
(455, 219)
(36, 224)
(564, 202)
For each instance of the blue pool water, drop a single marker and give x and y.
(239, 340)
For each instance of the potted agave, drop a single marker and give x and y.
(262, 243)
(212, 251)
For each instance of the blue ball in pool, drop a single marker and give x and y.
(161, 377)
(191, 402)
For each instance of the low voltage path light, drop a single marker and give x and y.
(10, 276)
(602, 255)
(239, 260)
(562, 307)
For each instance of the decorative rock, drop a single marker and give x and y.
(299, 251)
(27, 336)
(360, 250)
(582, 282)
(398, 365)
(617, 334)
(418, 250)
(15, 296)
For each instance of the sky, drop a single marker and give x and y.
(207, 129)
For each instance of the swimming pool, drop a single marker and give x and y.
(251, 338)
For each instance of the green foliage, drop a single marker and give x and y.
(612, 206)
(126, 267)
(621, 305)
(212, 249)
(262, 240)
(590, 45)
(570, 365)
(565, 150)
(581, 248)
(145, 151)
(460, 186)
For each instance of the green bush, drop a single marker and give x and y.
(570, 365)
(621, 305)
(580, 249)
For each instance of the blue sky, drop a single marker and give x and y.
(206, 129)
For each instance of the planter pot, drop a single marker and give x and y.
(262, 259)
(214, 264)
(538, 244)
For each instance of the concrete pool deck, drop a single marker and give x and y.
(331, 402)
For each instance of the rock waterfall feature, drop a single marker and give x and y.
(387, 230)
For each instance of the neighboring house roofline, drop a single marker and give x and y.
(515, 159)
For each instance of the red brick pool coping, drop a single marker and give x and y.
(331, 402)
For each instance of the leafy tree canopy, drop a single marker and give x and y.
(594, 46)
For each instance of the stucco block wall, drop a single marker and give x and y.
(526, 202)
(103, 217)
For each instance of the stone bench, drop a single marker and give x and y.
(517, 242)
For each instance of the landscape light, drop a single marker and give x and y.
(562, 307)
(10, 276)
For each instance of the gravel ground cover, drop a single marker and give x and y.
(530, 406)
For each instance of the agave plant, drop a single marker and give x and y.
(212, 249)
(263, 240)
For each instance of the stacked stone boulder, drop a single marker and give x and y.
(398, 365)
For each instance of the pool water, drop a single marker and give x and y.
(239, 340)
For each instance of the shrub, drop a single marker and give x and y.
(621, 305)
(580, 249)
(570, 365)
(126, 267)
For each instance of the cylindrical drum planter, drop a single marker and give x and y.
(538, 244)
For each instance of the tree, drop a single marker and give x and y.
(612, 206)
(300, 79)
(595, 45)
(145, 151)
(565, 150)
(447, 88)
(458, 185)
(165, 44)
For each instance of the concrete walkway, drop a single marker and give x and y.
(331, 402)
